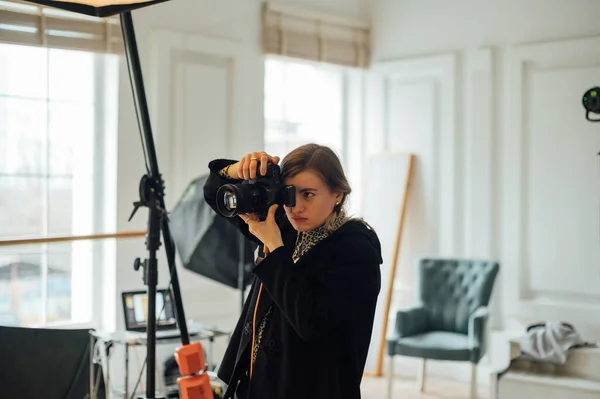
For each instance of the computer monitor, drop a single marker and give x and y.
(135, 308)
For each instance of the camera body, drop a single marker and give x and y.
(256, 195)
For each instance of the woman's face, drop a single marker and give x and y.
(314, 201)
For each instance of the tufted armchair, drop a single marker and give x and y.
(450, 322)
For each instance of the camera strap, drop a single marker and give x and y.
(252, 358)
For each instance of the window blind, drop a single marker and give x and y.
(295, 32)
(30, 24)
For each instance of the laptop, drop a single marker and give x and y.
(135, 308)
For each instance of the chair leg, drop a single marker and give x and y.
(422, 376)
(390, 386)
(494, 385)
(473, 393)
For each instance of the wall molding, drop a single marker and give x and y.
(172, 53)
(440, 70)
(521, 301)
(479, 154)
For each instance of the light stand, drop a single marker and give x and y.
(151, 192)
(591, 103)
(190, 357)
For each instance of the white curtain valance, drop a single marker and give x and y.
(30, 24)
(310, 35)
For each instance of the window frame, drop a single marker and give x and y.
(345, 74)
(354, 143)
(103, 206)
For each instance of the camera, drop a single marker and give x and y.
(256, 195)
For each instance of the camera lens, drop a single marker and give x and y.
(229, 200)
(233, 199)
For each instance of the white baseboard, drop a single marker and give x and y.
(517, 385)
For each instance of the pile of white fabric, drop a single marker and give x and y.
(550, 342)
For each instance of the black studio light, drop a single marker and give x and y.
(97, 8)
(194, 383)
(591, 103)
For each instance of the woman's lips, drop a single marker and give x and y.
(299, 220)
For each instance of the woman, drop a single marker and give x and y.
(306, 325)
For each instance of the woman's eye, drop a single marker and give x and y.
(308, 195)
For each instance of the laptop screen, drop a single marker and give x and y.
(135, 309)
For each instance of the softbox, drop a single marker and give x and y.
(207, 243)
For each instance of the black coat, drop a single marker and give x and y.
(316, 342)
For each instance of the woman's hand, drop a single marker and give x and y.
(267, 231)
(247, 167)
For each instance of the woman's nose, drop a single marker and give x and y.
(299, 204)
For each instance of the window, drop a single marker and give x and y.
(316, 102)
(304, 102)
(54, 136)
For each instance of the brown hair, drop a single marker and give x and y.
(326, 164)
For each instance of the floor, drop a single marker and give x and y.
(406, 388)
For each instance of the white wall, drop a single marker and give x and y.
(411, 27)
(488, 96)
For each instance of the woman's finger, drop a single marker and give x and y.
(264, 160)
(253, 163)
(248, 217)
(250, 163)
(261, 158)
(253, 166)
(272, 209)
(272, 159)
(241, 167)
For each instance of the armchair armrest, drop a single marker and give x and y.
(477, 327)
(410, 321)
